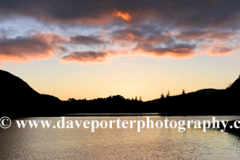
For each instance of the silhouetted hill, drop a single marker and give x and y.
(235, 86)
(15, 88)
(17, 98)
(207, 91)
(204, 102)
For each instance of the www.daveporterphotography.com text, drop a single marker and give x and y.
(139, 125)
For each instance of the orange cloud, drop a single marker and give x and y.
(222, 49)
(130, 35)
(124, 15)
(49, 38)
(218, 48)
(38, 46)
(94, 57)
(88, 56)
(178, 50)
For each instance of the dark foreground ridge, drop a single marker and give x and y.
(17, 98)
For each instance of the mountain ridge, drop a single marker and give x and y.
(17, 98)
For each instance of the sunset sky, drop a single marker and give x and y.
(97, 48)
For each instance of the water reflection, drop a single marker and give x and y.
(118, 143)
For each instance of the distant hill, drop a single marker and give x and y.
(204, 102)
(207, 91)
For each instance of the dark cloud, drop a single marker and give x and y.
(207, 34)
(26, 48)
(154, 27)
(142, 35)
(126, 37)
(222, 49)
(177, 50)
(86, 56)
(86, 40)
(152, 42)
(3, 33)
(183, 13)
(72, 11)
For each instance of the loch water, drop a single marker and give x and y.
(118, 143)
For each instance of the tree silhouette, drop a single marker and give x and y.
(162, 96)
(72, 100)
(183, 92)
(168, 94)
(140, 99)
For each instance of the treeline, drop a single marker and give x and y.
(111, 104)
(222, 102)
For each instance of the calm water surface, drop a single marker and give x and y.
(118, 143)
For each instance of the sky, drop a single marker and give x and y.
(97, 48)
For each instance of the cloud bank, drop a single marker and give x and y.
(112, 28)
